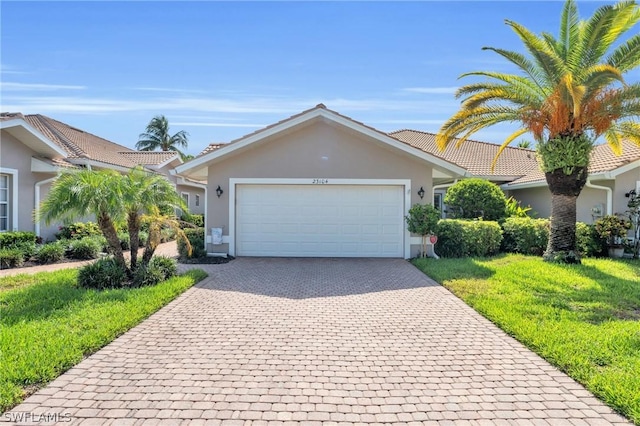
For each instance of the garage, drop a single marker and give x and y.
(319, 220)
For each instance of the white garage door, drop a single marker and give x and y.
(320, 220)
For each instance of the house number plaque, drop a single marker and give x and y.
(319, 181)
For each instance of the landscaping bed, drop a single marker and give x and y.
(48, 324)
(584, 319)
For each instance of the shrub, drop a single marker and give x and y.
(10, 239)
(196, 238)
(124, 240)
(461, 238)
(525, 235)
(102, 274)
(50, 253)
(28, 249)
(422, 220)
(148, 275)
(143, 236)
(86, 248)
(167, 265)
(588, 242)
(514, 209)
(194, 219)
(167, 235)
(474, 198)
(613, 229)
(78, 230)
(10, 258)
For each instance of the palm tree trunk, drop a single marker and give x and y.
(109, 231)
(564, 196)
(133, 226)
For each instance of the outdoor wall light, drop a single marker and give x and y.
(219, 191)
(421, 193)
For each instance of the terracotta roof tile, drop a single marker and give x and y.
(211, 147)
(4, 116)
(149, 157)
(474, 156)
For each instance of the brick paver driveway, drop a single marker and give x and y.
(316, 340)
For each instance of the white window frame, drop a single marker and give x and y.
(12, 198)
(405, 183)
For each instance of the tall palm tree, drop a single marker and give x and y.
(77, 194)
(157, 136)
(144, 193)
(570, 91)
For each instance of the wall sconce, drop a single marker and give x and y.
(219, 191)
(421, 193)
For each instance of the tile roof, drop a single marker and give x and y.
(602, 160)
(211, 147)
(79, 144)
(5, 116)
(474, 156)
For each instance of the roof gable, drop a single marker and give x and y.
(215, 152)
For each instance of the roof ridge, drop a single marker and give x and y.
(67, 144)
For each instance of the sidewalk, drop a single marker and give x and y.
(169, 249)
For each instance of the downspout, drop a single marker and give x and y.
(609, 191)
(37, 200)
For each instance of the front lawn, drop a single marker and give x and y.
(47, 324)
(585, 319)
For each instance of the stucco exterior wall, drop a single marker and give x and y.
(15, 155)
(625, 183)
(319, 150)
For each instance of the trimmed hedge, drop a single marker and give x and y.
(85, 248)
(589, 242)
(462, 238)
(10, 239)
(10, 258)
(525, 235)
(476, 198)
(196, 238)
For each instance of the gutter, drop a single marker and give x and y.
(37, 202)
(609, 192)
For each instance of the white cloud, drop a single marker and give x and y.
(25, 87)
(167, 90)
(431, 90)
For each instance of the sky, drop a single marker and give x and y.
(221, 70)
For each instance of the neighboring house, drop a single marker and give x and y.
(34, 148)
(314, 185)
(610, 178)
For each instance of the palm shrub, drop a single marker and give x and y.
(103, 274)
(85, 248)
(422, 220)
(476, 198)
(195, 236)
(570, 91)
(514, 209)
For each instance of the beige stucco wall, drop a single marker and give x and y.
(624, 183)
(299, 154)
(16, 155)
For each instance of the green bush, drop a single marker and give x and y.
(103, 274)
(143, 236)
(125, 243)
(525, 235)
(196, 238)
(28, 249)
(50, 253)
(475, 198)
(86, 248)
(10, 258)
(148, 275)
(10, 239)
(588, 242)
(78, 230)
(167, 235)
(462, 238)
(196, 220)
(167, 265)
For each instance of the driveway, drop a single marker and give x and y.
(316, 340)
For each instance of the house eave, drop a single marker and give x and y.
(32, 138)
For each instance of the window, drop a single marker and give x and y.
(4, 202)
(185, 197)
(197, 200)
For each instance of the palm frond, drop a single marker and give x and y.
(626, 56)
(505, 144)
(537, 76)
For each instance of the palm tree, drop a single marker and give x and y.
(524, 144)
(157, 136)
(143, 193)
(570, 91)
(84, 193)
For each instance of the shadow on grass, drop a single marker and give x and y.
(454, 268)
(52, 297)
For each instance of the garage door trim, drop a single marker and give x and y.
(405, 183)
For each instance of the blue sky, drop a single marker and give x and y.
(220, 70)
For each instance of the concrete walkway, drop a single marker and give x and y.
(315, 341)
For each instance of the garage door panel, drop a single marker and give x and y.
(319, 221)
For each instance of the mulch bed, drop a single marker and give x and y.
(213, 260)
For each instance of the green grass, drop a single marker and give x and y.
(585, 319)
(47, 324)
